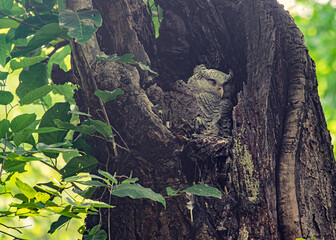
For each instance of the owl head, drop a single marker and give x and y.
(208, 80)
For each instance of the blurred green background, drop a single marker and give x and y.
(317, 21)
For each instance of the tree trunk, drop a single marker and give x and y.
(275, 165)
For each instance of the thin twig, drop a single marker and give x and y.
(14, 228)
(12, 236)
(38, 15)
(16, 20)
(4, 155)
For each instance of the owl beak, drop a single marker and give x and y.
(220, 92)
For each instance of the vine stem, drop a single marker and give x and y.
(8, 234)
(85, 74)
(3, 155)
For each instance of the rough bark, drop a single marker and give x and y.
(276, 170)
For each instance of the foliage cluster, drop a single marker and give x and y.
(35, 35)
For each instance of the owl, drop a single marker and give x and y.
(208, 87)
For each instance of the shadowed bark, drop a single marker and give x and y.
(276, 169)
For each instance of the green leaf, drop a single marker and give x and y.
(27, 190)
(36, 76)
(41, 147)
(130, 180)
(58, 111)
(204, 190)
(82, 24)
(95, 229)
(61, 5)
(82, 128)
(171, 192)
(78, 165)
(88, 192)
(101, 56)
(80, 113)
(16, 157)
(14, 166)
(67, 90)
(100, 235)
(43, 130)
(6, 4)
(4, 128)
(80, 143)
(17, 63)
(75, 178)
(126, 58)
(36, 94)
(100, 127)
(3, 75)
(60, 221)
(6, 97)
(90, 204)
(108, 176)
(25, 136)
(5, 49)
(24, 31)
(44, 35)
(8, 23)
(136, 191)
(58, 58)
(22, 121)
(47, 5)
(42, 197)
(92, 183)
(107, 96)
(28, 205)
(21, 137)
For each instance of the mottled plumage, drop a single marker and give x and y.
(207, 86)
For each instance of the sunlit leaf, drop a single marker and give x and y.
(27, 190)
(42, 197)
(17, 63)
(59, 58)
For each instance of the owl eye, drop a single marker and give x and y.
(212, 81)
